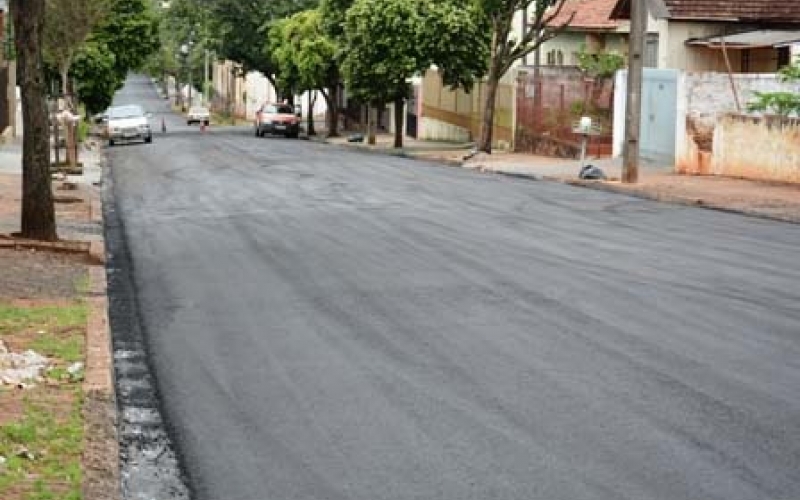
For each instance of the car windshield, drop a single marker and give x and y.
(125, 112)
(280, 109)
(198, 111)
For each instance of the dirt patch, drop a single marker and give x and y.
(31, 274)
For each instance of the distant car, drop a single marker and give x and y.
(279, 119)
(127, 123)
(198, 114)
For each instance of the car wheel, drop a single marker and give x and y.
(205, 123)
(110, 142)
(148, 139)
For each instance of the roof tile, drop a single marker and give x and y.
(589, 14)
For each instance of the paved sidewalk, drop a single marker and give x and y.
(77, 196)
(778, 201)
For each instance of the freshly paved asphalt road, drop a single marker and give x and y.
(327, 324)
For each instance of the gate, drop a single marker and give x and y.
(659, 116)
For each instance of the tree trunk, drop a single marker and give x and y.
(332, 100)
(38, 213)
(398, 122)
(371, 125)
(310, 116)
(487, 123)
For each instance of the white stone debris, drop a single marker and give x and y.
(18, 368)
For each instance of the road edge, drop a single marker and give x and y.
(100, 461)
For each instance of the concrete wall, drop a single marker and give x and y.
(757, 148)
(702, 99)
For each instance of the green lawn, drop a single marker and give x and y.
(42, 447)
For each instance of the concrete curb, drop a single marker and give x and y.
(677, 200)
(8, 241)
(100, 463)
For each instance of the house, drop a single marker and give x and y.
(745, 36)
(591, 29)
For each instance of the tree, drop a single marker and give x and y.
(67, 25)
(242, 28)
(387, 42)
(95, 74)
(306, 55)
(506, 49)
(130, 32)
(382, 52)
(38, 212)
(122, 41)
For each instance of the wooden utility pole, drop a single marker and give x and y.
(633, 108)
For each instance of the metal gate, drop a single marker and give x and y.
(659, 116)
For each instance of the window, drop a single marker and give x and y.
(651, 51)
(784, 57)
(745, 61)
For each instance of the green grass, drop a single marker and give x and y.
(55, 442)
(54, 328)
(51, 427)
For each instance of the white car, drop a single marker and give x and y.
(198, 114)
(127, 123)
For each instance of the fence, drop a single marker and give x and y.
(549, 106)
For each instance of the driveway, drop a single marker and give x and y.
(329, 324)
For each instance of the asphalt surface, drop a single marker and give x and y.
(329, 324)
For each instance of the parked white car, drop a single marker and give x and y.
(127, 123)
(198, 114)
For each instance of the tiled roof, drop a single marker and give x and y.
(589, 14)
(777, 11)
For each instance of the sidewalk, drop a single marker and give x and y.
(77, 197)
(777, 201)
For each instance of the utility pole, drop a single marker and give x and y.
(633, 107)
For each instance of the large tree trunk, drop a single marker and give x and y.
(371, 124)
(487, 124)
(398, 122)
(332, 100)
(38, 213)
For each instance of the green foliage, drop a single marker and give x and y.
(242, 30)
(382, 48)
(456, 38)
(95, 73)
(600, 65)
(130, 32)
(122, 41)
(791, 72)
(780, 103)
(389, 41)
(304, 55)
